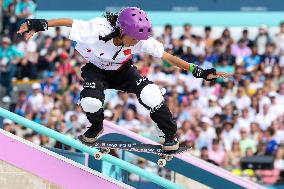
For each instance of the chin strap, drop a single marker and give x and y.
(115, 55)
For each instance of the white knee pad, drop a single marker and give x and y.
(91, 105)
(151, 96)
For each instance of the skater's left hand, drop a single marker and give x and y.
(218, 75)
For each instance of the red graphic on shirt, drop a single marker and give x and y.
(89, 50)
(127, 52)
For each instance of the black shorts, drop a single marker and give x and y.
(125, 79)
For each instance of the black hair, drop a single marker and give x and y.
(187, 25)
(111, 18)
(207, 28)
(168, 26)
(204, 148)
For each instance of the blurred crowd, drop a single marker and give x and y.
(223, 121)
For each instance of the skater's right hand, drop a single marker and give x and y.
(24, 31)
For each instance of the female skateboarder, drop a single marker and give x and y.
(108, 44)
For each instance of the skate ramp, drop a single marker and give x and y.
(26, 165)
(191, 167)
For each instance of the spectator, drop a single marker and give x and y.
(229, 135)
(213, 107)
(204, 156)
(36, 98)
(279, 40)
(244, 121)
(262, 39)
(217, 153)
(8, 126)
(203, 63)
(63, 88)
(245, 37)
(25, 9)
(261, 148)
(225, 39)
(9, 57)
(252, 61)
(207, 38)
(268, 59)
(58, 35)
(188, 56)
(167, 38)
(42, 117)
(276, 76)
(247, 144)
(47, 56)
(265, 117)
(279, 159)
(223, 66)
(275, 107)
(240, 51)
(198, 46)
(9, 18)
(207, 134)
(228, 56)
(242, 100)
(234, 155)
(64, 66)
(28, 66)
(187, 35)
(157, 75)
(130, 122)
(22, 107)
(271, 142)
(48, 86)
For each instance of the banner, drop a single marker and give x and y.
(164, 5)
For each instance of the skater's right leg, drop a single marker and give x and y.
(91, 100)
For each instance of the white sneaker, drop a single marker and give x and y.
(6, 99)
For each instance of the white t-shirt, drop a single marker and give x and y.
(228, 138)
(265, 121)
(243, 123)
(36, 102)
(242, 102)
(211, 111)
(100, 53)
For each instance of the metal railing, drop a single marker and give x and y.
(79, 146)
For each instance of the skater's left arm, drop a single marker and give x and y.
(208, 74)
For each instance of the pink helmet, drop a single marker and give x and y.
(134, 22)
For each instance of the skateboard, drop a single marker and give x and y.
(105, 146)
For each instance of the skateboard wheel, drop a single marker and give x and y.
(163, 156)
(168, 157)
(98, 156)
(105, 151)
(161, 162)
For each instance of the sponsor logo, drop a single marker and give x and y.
(89, 85)
(141, 80)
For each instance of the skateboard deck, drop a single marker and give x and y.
(105, 147)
